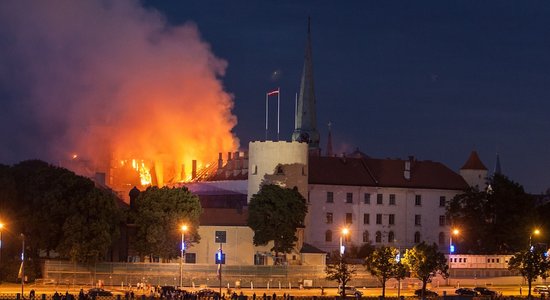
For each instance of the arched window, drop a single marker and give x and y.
(365, 236)
(379, 237)
(328, 236)
(417, 237)
(391, 237)
(441, 239)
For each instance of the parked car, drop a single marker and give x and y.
(350, 291)
(485, 291)
(466, 292)
(427, 293)
(94, 292)
(208, 293)
(541, 289)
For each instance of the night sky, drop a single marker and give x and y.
(433, 79)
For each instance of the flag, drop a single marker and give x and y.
(275, 92)
(20, 271)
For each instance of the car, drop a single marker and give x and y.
(350, 291)
(541, 289)
(94, 292)
(485, 291)
(208, 293)
(427, 293)
(466, 292)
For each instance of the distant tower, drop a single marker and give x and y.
(474, 172)
(497, 166)
(329, 140)
(306, 121)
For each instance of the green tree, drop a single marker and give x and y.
(425, 261)
(530, 264)
(159, 214)
(340, 271)
(275, 214)
(383, 264)
(496, 220)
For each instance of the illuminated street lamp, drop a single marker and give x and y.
(1, 229)
(345, 232)
(536, 231)
(183, 230)
(456, 232)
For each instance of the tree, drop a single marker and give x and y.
(424, 262)
(384, 264)
(159, 214)
(495, 220)
(530, 263)
(275, 214)
(340, 271)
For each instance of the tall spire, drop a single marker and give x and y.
(329, 140)
(497, 166)
(306, 119)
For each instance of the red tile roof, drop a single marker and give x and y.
(382, 173)
(473, 163)
(223, 217)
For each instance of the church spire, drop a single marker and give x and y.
(306, 119)
(329, 140)
(497, 166)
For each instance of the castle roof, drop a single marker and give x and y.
(473, 163)
(383, 173)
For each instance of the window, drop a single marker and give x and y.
(441, 239)
(417, 200)
(378, 218)
(417, 237)
(280, 170)
(378, 237)
(219, 237)
(259, 259)
(348, 218)
(391, 219)
(391, 237)
(441, 220)
(366, 218)
(328, 236)
(417, 220)
(366, 198)
(349, 197)
(330, 197)
(464, 259)
(392, 199)
(442, 201)
(190, 258)
(365, 236)
(329, 218)
(379, 198)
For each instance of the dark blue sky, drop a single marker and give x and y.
(434, 79)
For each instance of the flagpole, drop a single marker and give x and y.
(296, 111)
(278, 109)
(266, 113)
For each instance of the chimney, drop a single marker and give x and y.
(220, 161)
(236, 163)
(228, 156)
(407, 172)
(194, 169)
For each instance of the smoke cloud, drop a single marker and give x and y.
(109, 81)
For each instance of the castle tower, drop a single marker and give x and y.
(474, 172)
(305, 128)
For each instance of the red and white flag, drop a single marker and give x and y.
(275, 92)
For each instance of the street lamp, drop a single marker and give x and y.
(345, 232)
(456, 232)
(183, 230)
(536, 231)
(1, 229)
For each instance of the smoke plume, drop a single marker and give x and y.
(108, 82)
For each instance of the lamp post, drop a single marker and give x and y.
(1, 228)
(183, 230)
(536, 231)
(345, 232)
(451, 249)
